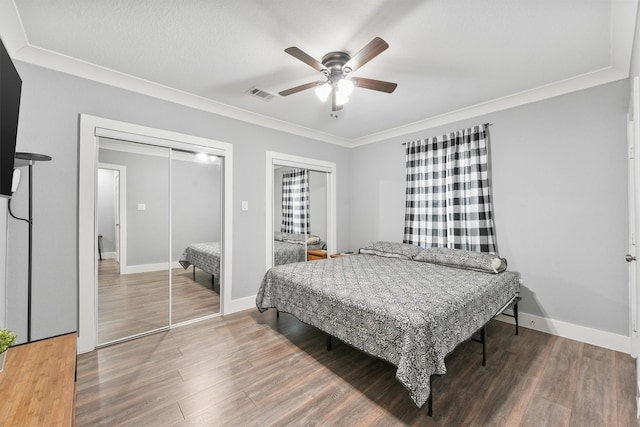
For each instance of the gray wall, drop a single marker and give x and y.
(51, 103)
(147, 184)
(277, 197)
(318, 203)
(195, 204)
(559, 172)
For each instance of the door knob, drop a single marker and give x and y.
(629, 258)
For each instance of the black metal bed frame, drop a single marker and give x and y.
(194, 275)
(513, 304)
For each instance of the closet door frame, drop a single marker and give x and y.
(282, 159)
(91, 128)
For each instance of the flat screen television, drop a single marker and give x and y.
(10, 89)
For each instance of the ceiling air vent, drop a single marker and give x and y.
(260, 93)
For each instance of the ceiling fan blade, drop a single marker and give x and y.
(300, 88)
(372, 84)
(374, 48)
(307, 59)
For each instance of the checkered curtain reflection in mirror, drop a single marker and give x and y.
(448, 196)
(295, 202)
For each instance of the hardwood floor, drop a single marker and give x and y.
(251, 369)
(136, 303)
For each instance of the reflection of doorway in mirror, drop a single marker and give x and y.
(107, 212)
(110, 205)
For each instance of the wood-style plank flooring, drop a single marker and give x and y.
(136, 303)
(252, 369)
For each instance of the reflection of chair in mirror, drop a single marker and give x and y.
(206, 257)
(100, 246)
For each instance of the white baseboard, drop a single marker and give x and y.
(559, 328)
(583, 334)
(108, 255)
(241, 304)
(146, 268)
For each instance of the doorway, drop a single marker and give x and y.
(633, 141)
(111, 201)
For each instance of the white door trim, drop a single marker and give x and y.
(91, 128)
(633, 141)
(122, 207)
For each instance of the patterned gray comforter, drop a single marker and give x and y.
(409, 313)
(205, 256)
(288, 252)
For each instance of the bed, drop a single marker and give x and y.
(289, 248)
(205, 256)
(404, 304)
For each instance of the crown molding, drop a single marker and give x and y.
(12, 34)
(65, 64)
(564, 87)
(623, 24)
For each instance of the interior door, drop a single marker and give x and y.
(633, 138)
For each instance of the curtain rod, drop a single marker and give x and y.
(485, 124)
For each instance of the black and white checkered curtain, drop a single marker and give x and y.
(295, 202)
(448, 197)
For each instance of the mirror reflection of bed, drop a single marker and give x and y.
(200, 264)
(300, 214)
(154, 203)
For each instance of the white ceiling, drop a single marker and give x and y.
(450, 59)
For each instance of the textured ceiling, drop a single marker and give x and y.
(451, 59)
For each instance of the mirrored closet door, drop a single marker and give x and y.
(159, 237)
(132, 210)
(299, 214)
(196, 227)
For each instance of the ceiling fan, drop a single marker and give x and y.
(337, 68)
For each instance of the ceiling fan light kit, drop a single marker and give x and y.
(336, 68)
(323, 91)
